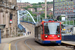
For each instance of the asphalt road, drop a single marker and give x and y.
(28, 43)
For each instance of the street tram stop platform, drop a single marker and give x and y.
(68, 39)
(69, 42)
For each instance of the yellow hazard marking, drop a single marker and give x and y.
(63, 29)
(9, 46)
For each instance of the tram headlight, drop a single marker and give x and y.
(58, 35)
(46, 36)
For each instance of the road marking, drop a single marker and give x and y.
(27, 45)
(16, 43)
(9, 46)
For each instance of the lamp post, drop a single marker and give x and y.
(45, 9)
(1, 27)
(53, 9)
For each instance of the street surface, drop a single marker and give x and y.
(28, 43)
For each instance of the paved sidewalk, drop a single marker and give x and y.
(8, 40)
(5, 41)
(69, 42)
(4, 46)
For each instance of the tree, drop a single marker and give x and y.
(35, 7)
(43, 16)
(49, 2)
(27, 7)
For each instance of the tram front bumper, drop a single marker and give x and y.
(46, 42)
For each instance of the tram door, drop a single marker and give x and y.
(38, 32)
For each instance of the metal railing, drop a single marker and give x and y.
(24, 13)
(29, 22)
(21, 28)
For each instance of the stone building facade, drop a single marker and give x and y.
(8, 16)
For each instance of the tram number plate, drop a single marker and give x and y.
(53, 41)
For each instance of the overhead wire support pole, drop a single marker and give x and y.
(20, 3)
(45, 9)
(53, 9)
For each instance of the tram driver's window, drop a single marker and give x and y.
(58, 29)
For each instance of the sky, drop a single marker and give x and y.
(33, 1)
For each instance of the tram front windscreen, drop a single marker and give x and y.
(52, 28)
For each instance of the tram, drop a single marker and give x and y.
(48, 31)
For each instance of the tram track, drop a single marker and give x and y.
(27, 45)
(43, 46)
(37, 43)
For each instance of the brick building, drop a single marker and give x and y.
(31, 9)
(22, 5)
(40, 9)
(49, 6)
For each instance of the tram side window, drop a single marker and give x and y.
(58, 29)
(40, 29)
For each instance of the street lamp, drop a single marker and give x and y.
(1, 27)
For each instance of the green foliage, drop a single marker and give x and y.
(33, 14)
(29, 18)
(34, 4)
(27, 7)
(43, 16)
(18, 34)
(60, 18)
(50, 2)
(37, 5)
(71, 22)
(42, 3)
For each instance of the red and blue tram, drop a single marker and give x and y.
(48, 31)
